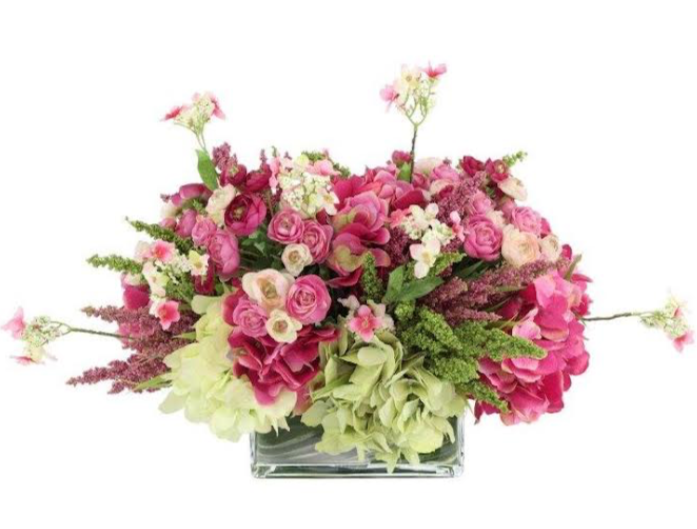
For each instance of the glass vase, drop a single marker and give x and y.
(291, 454)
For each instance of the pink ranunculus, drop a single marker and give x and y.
(364, 216)
(230, 302)
(135, 297)
(16, 325)
(245, 214)
(190, 191)
(251, 318)
(317, 237)
(167, 312)
(483, 238)
(497, 170)
(286, 227)
(203, 231)
(308, 300)
(471, 166)
(186, 223)
(225, 253)
(479, 204)
(683, 341)
(527, 220)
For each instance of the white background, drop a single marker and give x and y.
(602, 96)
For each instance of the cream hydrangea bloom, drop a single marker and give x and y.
(205, 388)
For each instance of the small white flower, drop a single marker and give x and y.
(198, 264)
(169, 210)
(425, 256)
(350, 303)
(157, 281)
(296, 257)
(142, 252)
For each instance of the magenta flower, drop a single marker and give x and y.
(364, 215)
(225, 253)
(434, 72)
(16, 325)
(167, 312)
(245, 214)
(286, 227)
(308, 300)
(471, 166)
(497, 170)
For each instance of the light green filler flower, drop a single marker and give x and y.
(205, 388)
(372, 400)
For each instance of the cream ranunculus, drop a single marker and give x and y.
(519, 248)
(281, 327)
(268, 288)
(551, 247)
(514, 188)
(296, 257)
(218, 203)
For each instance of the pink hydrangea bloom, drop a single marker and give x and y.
(16, 325)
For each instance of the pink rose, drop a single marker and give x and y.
(317, 237)
(251, 318)
(480, 204)
(286, 227)
(186, 223)
(482, 238)
(527, 220)
(308, 300)
(225, 253)
(245, 214)
(203, 231)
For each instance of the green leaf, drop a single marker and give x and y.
(394, 284)
(157, 382)
(419, 288)
(405, 173)
(206, 169)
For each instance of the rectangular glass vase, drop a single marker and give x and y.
(291, 454)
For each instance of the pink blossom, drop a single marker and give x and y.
(389, 94)
(245, 214)
(471, 166)
(250, 318)
(135, 297)
(682, 341)
(308, 300)
(217, 111)
(527, 220)
(322, 168)
(190, 191)
(364, 323)
(400, 158)
(480, 204)
(434, 72)
(172, 114)
(203, 231)
(317, 237)
(483, 238)
(162, 251)
(224, 252)
(286, 227)
(16, 325)
(167, 312)
(364, 216)
(456, 226)
(348, 253)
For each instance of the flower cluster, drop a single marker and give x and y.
(373, 305)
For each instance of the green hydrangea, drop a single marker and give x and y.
(374, 401)
(202, 383)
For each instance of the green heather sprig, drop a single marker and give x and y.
(373, 287)
(511, 159)
(157, 232)
(116, 263)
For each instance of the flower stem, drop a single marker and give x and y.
(79, 330)
(615, 316)
(413, 149)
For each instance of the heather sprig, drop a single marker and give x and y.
(116, 263)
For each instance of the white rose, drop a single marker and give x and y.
(296, 257)
(519, 248)
(514, 188)
(551, 247)
(425, 166)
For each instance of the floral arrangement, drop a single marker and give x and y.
(376, 306)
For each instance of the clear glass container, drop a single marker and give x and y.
(291, 454)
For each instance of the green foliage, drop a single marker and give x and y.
(116, 263)
(259, 251)
(373, 288)
(497, 344)
(196, 203)
(181, 289)
(477, 390)
(157, 232)
(404, 173)
(404, 311)
(398, 289)
(511, 159)
(206, 169)
(443, 261)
